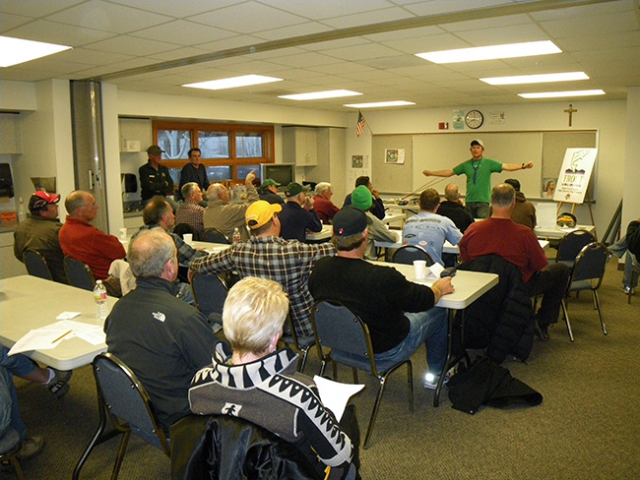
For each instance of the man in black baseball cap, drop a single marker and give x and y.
(39, 232)
(154, 177)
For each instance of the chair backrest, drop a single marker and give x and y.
(337, 327)
(36, 264)
(408, 253)
(78, 273)
(126, 399)
(571, 245)
(182, 228)
(591, 263)
(209, 294)
(216, 236)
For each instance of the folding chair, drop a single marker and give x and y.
(635, 274)
(36, 264)
(123, 399)
(78, 273)
(347, 336)
(216, 236)
(209, 294)
(587, 274)
(290, 338)
(408, 253)
(571, 244)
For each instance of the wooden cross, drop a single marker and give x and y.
(570, 111)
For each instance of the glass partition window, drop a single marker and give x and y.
(214, 144)
(248, 145)
(175, 143)
(219, 174)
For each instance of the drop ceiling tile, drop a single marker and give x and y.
(369, 51)
(439, 7)
(291, 31)
(29, 9)
(109, 17)
(369, 18)
(249, 17)
(324, 9)
(178, 53)
(133, 46)
(54, 32)
(115, 67)
(305, 60)
(177, 9)
(183, 32)
(9, 21)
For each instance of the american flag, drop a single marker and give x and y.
(360, 124)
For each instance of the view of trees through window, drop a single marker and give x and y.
(229, 151)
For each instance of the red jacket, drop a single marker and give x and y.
(86, 243)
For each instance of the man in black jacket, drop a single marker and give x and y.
(454, 209)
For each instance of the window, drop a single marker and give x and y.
(229, 151)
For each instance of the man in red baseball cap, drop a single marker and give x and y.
(40, 232)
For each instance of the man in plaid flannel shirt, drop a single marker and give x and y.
(190, 212)
(266, 255)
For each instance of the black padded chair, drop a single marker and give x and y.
(36, 264)
(225, 448)
(209, 294)
(78, 273)
(213, 235)
(337, 328)
(182, 228)
(409, 253)
(571, 244)
(587, 274)
(290, 339)
(123, 399)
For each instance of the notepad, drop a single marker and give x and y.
(335, 395)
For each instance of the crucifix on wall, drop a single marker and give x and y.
(570, 111)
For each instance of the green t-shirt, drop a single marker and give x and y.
(478, 178)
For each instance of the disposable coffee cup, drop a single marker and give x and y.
(123, 234)
(420, 267)
(188, 238)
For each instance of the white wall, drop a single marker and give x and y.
(608, 117)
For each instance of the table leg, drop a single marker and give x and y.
(452, 359)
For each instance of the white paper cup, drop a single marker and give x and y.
(420, 267)
(123, 234)
(188, 238)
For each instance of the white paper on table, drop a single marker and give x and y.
(434, 271)
(50, 336)
(67, 315)
(335, 395)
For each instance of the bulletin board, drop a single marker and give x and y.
(442, 151)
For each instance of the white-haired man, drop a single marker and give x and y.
(322, 203)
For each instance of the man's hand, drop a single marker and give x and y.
(444, 285)
(309, 203)
(375, 194)
(251, 176)
(426, 173)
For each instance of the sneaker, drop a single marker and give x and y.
(431, 380)
(31, 446)
(59, 385)
(628, 290)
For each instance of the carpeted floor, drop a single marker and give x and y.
(588, 426)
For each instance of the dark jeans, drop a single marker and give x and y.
(550, 282)
(479, 209)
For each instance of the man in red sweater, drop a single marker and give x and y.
(82, 241)
(518, 244)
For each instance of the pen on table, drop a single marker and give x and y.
(62, 336)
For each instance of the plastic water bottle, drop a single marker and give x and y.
(100, 297)
(236, 236)
(21, 213)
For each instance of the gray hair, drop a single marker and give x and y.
(149, 251)
(75, 200)
(503, 195)
(322, 187)
(188, 189)
(155, 209)
(214, 191)
(451, 192)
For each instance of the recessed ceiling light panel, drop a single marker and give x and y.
(234, 82)
(320, 95)
(14, 51)
(574, 93)
(492, 52)
(394, 103)
(544, 78)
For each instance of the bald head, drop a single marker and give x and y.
(152, 254)
(451, 193)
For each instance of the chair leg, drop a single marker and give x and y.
(374, 412)
(95, 440)
(121, 451)
(16, 466)
(303, 359)
(566, 319)
(596, 299)
(410, 385)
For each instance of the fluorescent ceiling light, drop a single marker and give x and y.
(320, 95)
(14, 51)
(545, 78)
(395, 103)
(493, 52)
(574, 93)
(234, 82)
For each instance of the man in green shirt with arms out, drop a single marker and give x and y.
(478, 171)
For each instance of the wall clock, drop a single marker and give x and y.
(474, 119)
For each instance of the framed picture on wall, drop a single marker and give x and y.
(357, 161)
(394, 155)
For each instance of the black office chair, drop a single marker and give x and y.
(78, 273)
(123, 399)
(209, 294)
(571, 244)
(216, 236)
(36, 264)
(587, 274)
(409, 253)
(347, 336)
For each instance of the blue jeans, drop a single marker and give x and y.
(620, 248)
(18, 365)
(428, 327)
(479, 209)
